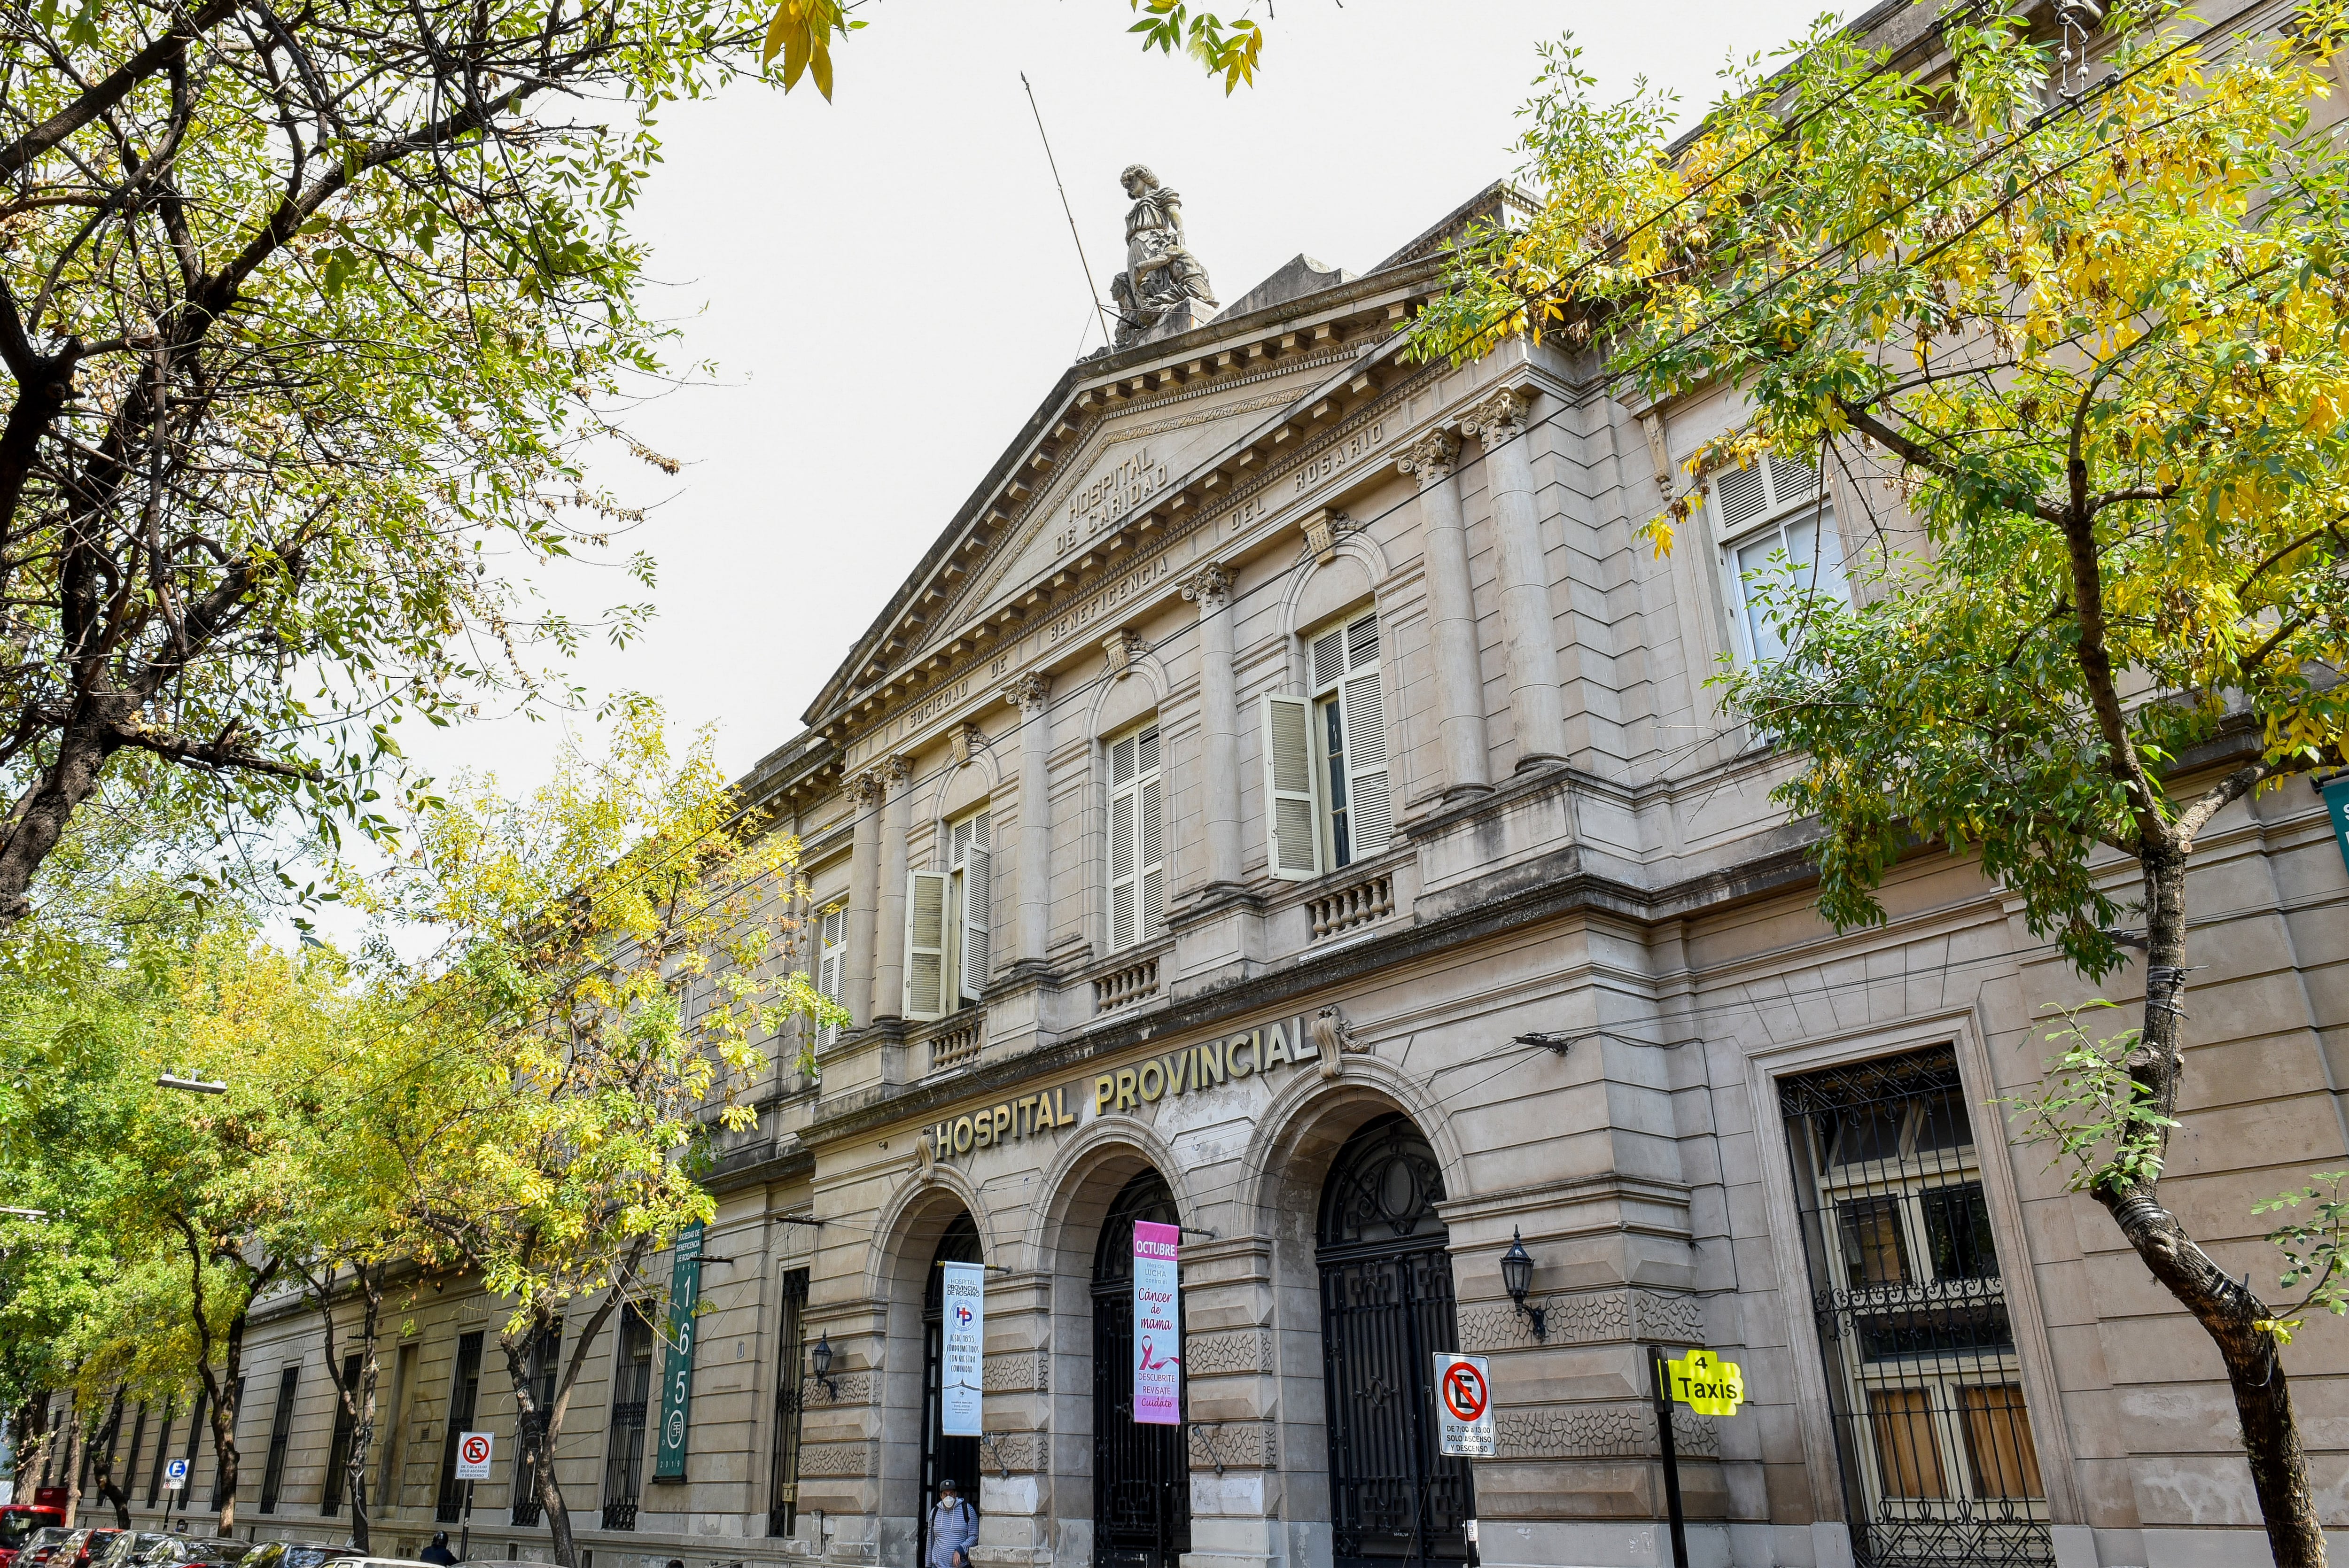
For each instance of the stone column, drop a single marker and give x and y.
(1452, 613)
(889, 965)
(1210, 588)
(1536, 703)
(863, 896)
(1032, 693)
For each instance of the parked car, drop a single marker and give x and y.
(193, 1551)
(22, 1528)
(58, 1549)
(125, 1549)
(81, 1547)
(296, 1554)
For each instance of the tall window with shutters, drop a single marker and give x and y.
(1137, 848)
(1779, 537)
(1327, 801)
(831, 962)
(949, 949)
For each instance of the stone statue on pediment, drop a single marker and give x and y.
(1163, 282)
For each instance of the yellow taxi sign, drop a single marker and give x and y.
(1706, 1384)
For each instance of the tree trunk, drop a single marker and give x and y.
(2227, 1309)
(358, 1400)
(102, 1464)
(39, 819)
(537, 1437)
(66, 1472)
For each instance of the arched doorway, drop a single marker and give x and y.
(943, 1458)
(1141, 1474)
(1386, 1311)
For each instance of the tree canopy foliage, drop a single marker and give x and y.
(2071, 344)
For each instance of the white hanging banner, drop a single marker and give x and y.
(965, 1350)
(1157, 1324)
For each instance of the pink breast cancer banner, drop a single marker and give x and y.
(1157, 1325)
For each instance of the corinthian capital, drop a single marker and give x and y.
(1209, 587)
(1029, 693)
(1497, 417)
(898, 769)
(866, 789)
(1430, 458)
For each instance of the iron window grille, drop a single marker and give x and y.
(280, 1429)
(790, 1382)
(338, 1447)
(545, 1361)
(1924, 1381)
(632, 1387)
(464, 1393)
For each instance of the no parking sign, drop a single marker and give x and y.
(1463, 1406)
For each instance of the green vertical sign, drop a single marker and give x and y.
(676, 1380)
(2336, 800)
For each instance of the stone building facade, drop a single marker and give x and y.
(1286, 802)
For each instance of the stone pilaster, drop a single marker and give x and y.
(1210, 588)
(1536, 702)
(889, 964)
(1032, 693)
(1452, 613)
(864, 896)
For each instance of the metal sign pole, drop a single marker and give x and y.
(465, 1532)
(1664, 1393)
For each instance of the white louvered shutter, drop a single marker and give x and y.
(830, 962)
(1369, 805)
(1137, 869)
(977, 904)
(1293, 836)
(926, 944)
(1738, 494)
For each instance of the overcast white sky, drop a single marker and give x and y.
(888, 286)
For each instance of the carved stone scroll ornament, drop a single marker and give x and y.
(1162, 279)
(1029, 693)
(1333, 1037)
(1210, 588)
(897, 770)
(1120, 648)
(868, 788)
(1429, 459)
(967, 738)
(1497, 417)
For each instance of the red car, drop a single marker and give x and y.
(21, 1526)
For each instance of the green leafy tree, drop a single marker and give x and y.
(620, 946)
(304, 317)
(2095, 335)
(801, 32)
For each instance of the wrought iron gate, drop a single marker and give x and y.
(1141, 1474)
(1923, 1380)
(944, 1458)
(1386, 1310)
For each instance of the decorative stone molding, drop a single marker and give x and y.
(1121, 647)
(1025, 1373)
(1591, 1317)
(1599, 1431)
(1214, 1354)
(840, 1460)
(1021, 1453)
(897, 770)
(1498, 418)
(868, 787)
(1430, 458)
(1323, 528)
(1210, 588)
(1333, 1037)
(1029, 693)
(1233, 1445)
(967, 737)
(848, 1388)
